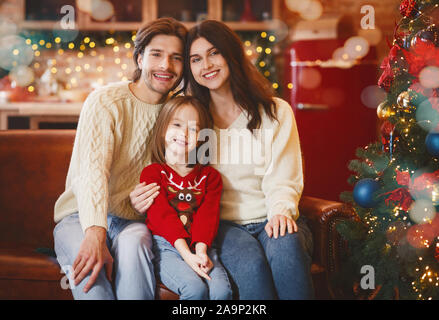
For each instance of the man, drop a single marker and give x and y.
(101, 243)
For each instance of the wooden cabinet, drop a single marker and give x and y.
(131, 14)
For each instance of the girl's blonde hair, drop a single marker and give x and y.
(157, 143)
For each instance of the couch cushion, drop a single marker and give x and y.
(21, 262)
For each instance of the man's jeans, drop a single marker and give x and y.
(267, 268)
(130, 244)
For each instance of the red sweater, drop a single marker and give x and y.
(186, 207)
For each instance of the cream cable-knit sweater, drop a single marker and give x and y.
(108, 156)
(256, 190)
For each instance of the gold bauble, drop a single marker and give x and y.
(405, 99)
(384, 111)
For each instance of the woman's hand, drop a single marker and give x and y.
(143, 196)
(278, 224)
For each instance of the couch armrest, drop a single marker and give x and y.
(322, 216)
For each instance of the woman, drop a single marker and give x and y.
(263, 243)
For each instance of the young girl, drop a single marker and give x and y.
(184, 217)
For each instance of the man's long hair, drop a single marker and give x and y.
(166, 26)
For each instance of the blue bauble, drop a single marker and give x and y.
(363, 192)
(432, 144)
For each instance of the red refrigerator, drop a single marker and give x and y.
(331, 117)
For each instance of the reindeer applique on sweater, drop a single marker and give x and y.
(184, 202)
(186, 207)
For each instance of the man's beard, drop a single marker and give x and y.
(150, 85)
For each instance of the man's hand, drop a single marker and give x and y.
(92, 256)
(280, 223)
(143, 196)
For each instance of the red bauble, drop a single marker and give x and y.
(387, 65)
(407, 7)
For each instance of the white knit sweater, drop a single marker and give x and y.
(256, 190)
(108, 156)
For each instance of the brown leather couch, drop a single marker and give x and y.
(33, 168)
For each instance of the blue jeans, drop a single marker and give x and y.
(179, 277)
(130, 244)
(267, 268)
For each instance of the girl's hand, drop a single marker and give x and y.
(143, 196)
(201, 251)
(196, 263)
(207, 264)
(280, 223)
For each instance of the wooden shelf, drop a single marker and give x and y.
(150, 13)
(252, 26)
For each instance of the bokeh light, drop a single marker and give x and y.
(429, 77)
(7, 27)
(422, 211)
(280, 29)
(22, 75)
(85, 5)
(356, 47)
(372, 96)
(310, 78)
(312, 11)
(64, 35)
(102, 10)
(420, 235)
(373, 36)
(427, 117)
(14, 52)
(340, 54)
(297, 5)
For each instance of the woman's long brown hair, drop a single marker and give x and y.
(249, 88)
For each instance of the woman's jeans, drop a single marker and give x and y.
(179, 277)
(267, 268)
(130, 244)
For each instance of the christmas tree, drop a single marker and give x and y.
(396, 180)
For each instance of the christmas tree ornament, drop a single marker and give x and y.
(388, 137)
(364, 192)
(384, 111)
(431, 33)
(432, 143)
(406, 98)
(408, 8)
